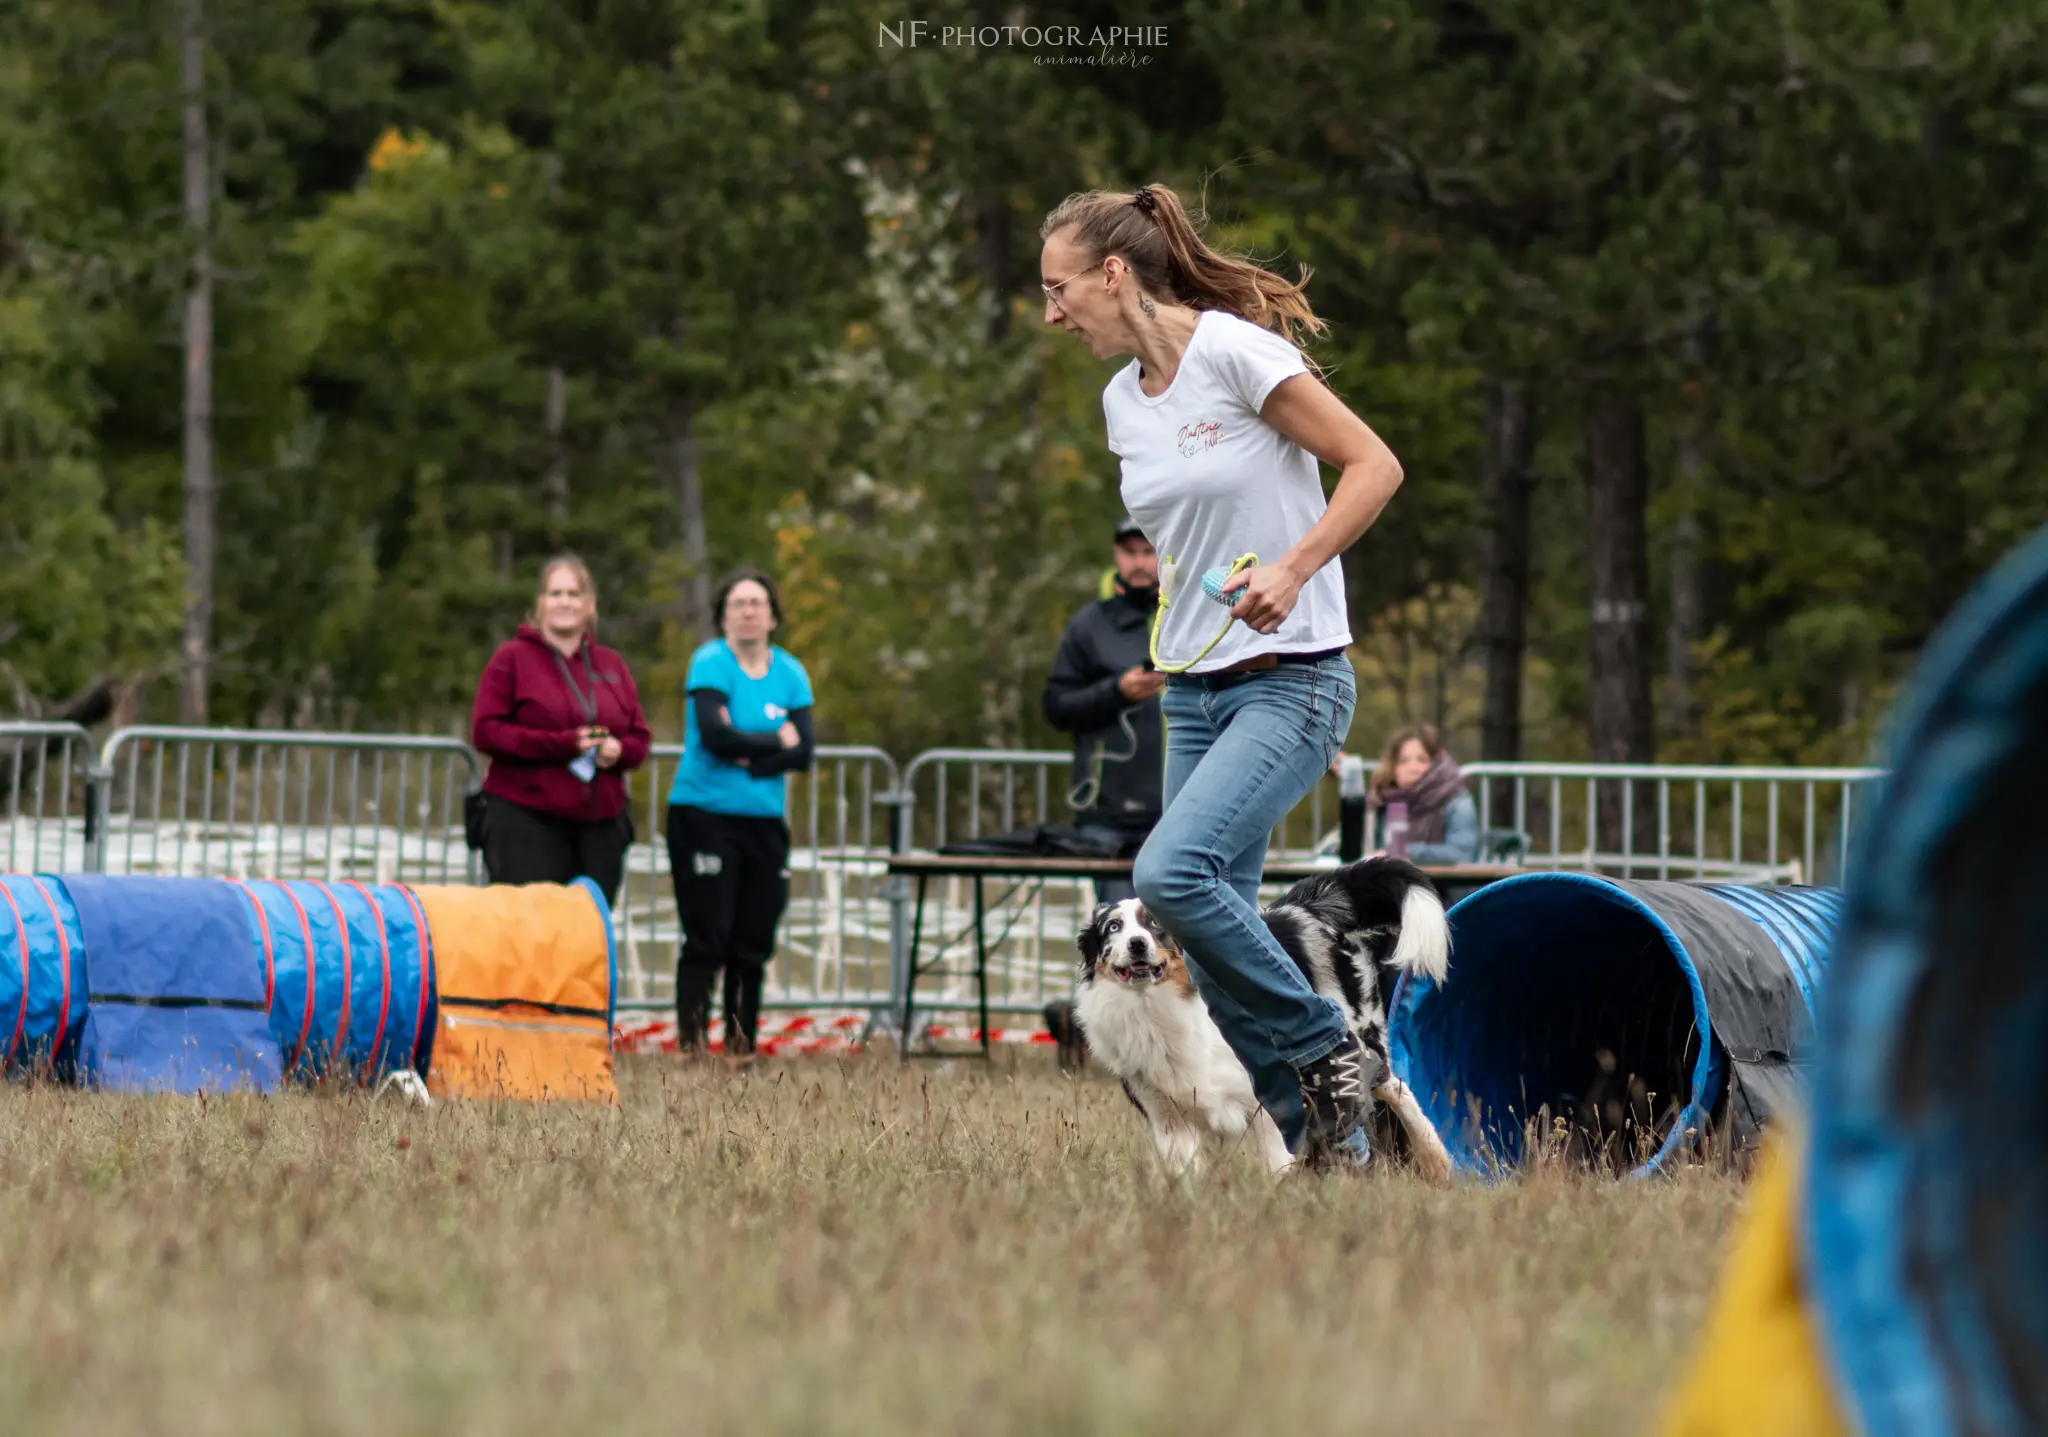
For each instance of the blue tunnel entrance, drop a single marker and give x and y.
(1630, 1019)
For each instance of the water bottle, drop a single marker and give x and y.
(1351, 776)
(1397, 829)
(1350, 808)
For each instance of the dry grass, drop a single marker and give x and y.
(813, 1247)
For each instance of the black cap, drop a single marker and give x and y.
(1127, 528)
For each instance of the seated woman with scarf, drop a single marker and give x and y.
(1418, 772)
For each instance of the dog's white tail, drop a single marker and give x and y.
(1425, 943)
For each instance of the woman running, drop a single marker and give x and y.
(1219, 422)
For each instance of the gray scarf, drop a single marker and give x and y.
(1428, 797)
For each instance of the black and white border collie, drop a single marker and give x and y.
(1351, 931)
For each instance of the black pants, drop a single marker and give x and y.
(732, 882)
(524, 845)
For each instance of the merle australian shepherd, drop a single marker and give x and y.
(1351, 931)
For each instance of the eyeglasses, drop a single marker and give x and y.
(1052, 291)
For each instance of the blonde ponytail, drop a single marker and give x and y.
(1156, 236)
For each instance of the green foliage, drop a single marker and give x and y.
(82, 591)
(1809, 244)
(959, 521)
(1806, 241)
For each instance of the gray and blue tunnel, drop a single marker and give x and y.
(1627, 1008)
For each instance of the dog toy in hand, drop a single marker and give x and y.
(1212, 585)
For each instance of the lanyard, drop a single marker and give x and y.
(587, 704)
(1243, 561)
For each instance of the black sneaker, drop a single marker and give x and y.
(1335, 1103)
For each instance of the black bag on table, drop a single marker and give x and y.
(1044, 840)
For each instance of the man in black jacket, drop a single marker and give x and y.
(1104, 691)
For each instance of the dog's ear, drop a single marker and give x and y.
(1161, 934)
(1089, 941)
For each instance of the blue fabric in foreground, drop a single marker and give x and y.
(1925, 1211)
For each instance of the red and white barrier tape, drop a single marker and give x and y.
(793, 1034)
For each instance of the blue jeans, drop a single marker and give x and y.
(1240, 753)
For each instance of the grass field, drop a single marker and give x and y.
(808, 1247)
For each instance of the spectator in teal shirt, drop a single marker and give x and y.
(747, 724)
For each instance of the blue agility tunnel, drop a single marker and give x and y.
(1643, 1015)
(193, 984)
(180, 986)
(42, 976)
(355, 977)
(1924, 1214)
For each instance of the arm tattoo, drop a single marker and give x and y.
(1146, 305)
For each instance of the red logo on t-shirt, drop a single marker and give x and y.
(1202, 434)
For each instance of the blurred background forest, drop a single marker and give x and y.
(1711, 337)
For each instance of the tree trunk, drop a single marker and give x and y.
(690, 509)
(992, 212)
(1508, 481)
(1688, 598)
(1617, 496)
(555, 412)
(992, 218)
(197, 646)
(553, 416)
(993, 222)
(995, 259)
(1688, 568)
(131, 704)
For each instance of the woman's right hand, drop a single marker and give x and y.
(788, 734)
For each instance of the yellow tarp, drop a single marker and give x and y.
(524, 981)
(1759, 1370)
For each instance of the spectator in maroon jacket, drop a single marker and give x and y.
(559, 717)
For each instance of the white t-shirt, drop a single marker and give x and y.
(1209, 480)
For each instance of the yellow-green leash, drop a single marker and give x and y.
(1167, 567)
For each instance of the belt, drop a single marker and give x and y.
(1257, 664)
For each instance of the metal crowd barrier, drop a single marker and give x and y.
(263, 803)
(842, 933)
(1665, 821)
(1745, 825)
(43, 780)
